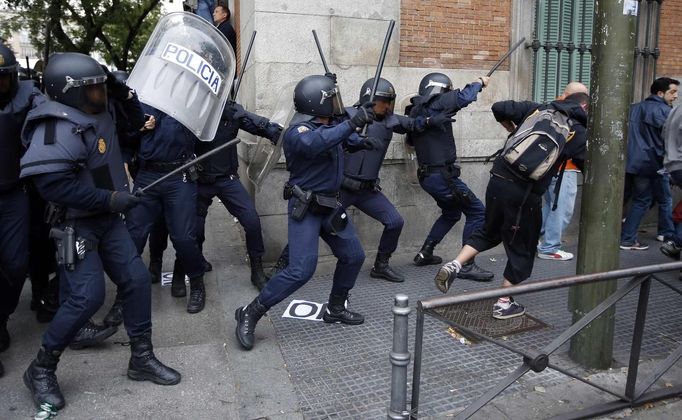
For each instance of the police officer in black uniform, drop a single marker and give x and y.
(168, 146)
(74, 160)
(438, 173)
(313, 146)
(218, 178)
(360, 186)
(16, 99)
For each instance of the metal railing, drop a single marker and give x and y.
(635, 394)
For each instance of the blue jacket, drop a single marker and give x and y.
(169, 141)
(645, 140)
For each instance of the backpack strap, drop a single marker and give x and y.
(517, 223)
(557, 187)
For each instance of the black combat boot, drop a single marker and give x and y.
(144, 366)
(41, 380)
(471, 271)
(207, 266)
(337, 312)
(197, 295)
(258, 277)
(114, 317)
(155, 269)
(281, 264)
(425, 256)
(4, 334)
(178, 288)
(247, 317)
(91, 334)
(381, 269)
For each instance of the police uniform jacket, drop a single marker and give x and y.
(314, 154)
(12, 116)
(435, 146)
(575, 149)
(74, 158)
(168, 142)
(364, 165)
(226, 162)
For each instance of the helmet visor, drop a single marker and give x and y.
(86, 81)
(438, 87)
(333, 95)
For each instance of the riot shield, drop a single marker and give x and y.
(411, 164)
(266, 155)
(186, 70)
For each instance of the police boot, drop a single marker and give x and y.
(337, 312)
(178, 288)
(247, 317)
(4, 334)
(381, 269)
(197, 295)
(207, 266)
(281, 264)
(91, 334)
(41, 380)
(425, 256)
(155, 270)
(471, 271)
(144, 366)
(114, 317)
(258, 277)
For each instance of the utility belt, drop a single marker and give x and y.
(190, 173)
(351, 184)
(327, 205)
(212, 179)
(447, 169)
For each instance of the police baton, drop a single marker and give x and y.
(504, 57)
(319, 50)
(380, 65)
(192, 162)
(241, 72)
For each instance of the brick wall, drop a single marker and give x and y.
(453, 34)
(670, 34)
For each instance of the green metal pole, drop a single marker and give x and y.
(611, 94)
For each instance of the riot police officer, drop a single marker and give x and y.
(218, 178)
(168, 146)
(16, 99)
(438, 173)
(74, 160)
(360, 186)
(313, 146)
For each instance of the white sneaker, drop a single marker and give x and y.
(559, 255)
(660, 238)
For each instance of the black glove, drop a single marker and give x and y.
(117, 89)
(373, 143)
(274, 131)
(331, 76)
(122, 201)
(439, 120)
(232, 111)
(365, 115)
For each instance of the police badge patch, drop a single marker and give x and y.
(101, 145)
(302, 129)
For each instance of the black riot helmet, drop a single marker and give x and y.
(8, 71)
(317, 96)
(385, 92)
(121, 76)
(434, 83)
(76, 80)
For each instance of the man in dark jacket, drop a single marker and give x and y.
(513, 208)
(221, 18)
(645, 159)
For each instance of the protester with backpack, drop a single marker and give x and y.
(542, 138)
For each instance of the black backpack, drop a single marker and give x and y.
(535, 146)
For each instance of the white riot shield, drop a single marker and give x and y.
(266, 155)
(186, 70)
(411, 164)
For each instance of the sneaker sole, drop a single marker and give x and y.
(509, 316)
(143, 376)
(94, 341)
(634, 248)
(551, 258)
(442, 281)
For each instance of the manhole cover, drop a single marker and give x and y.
(477, 317)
